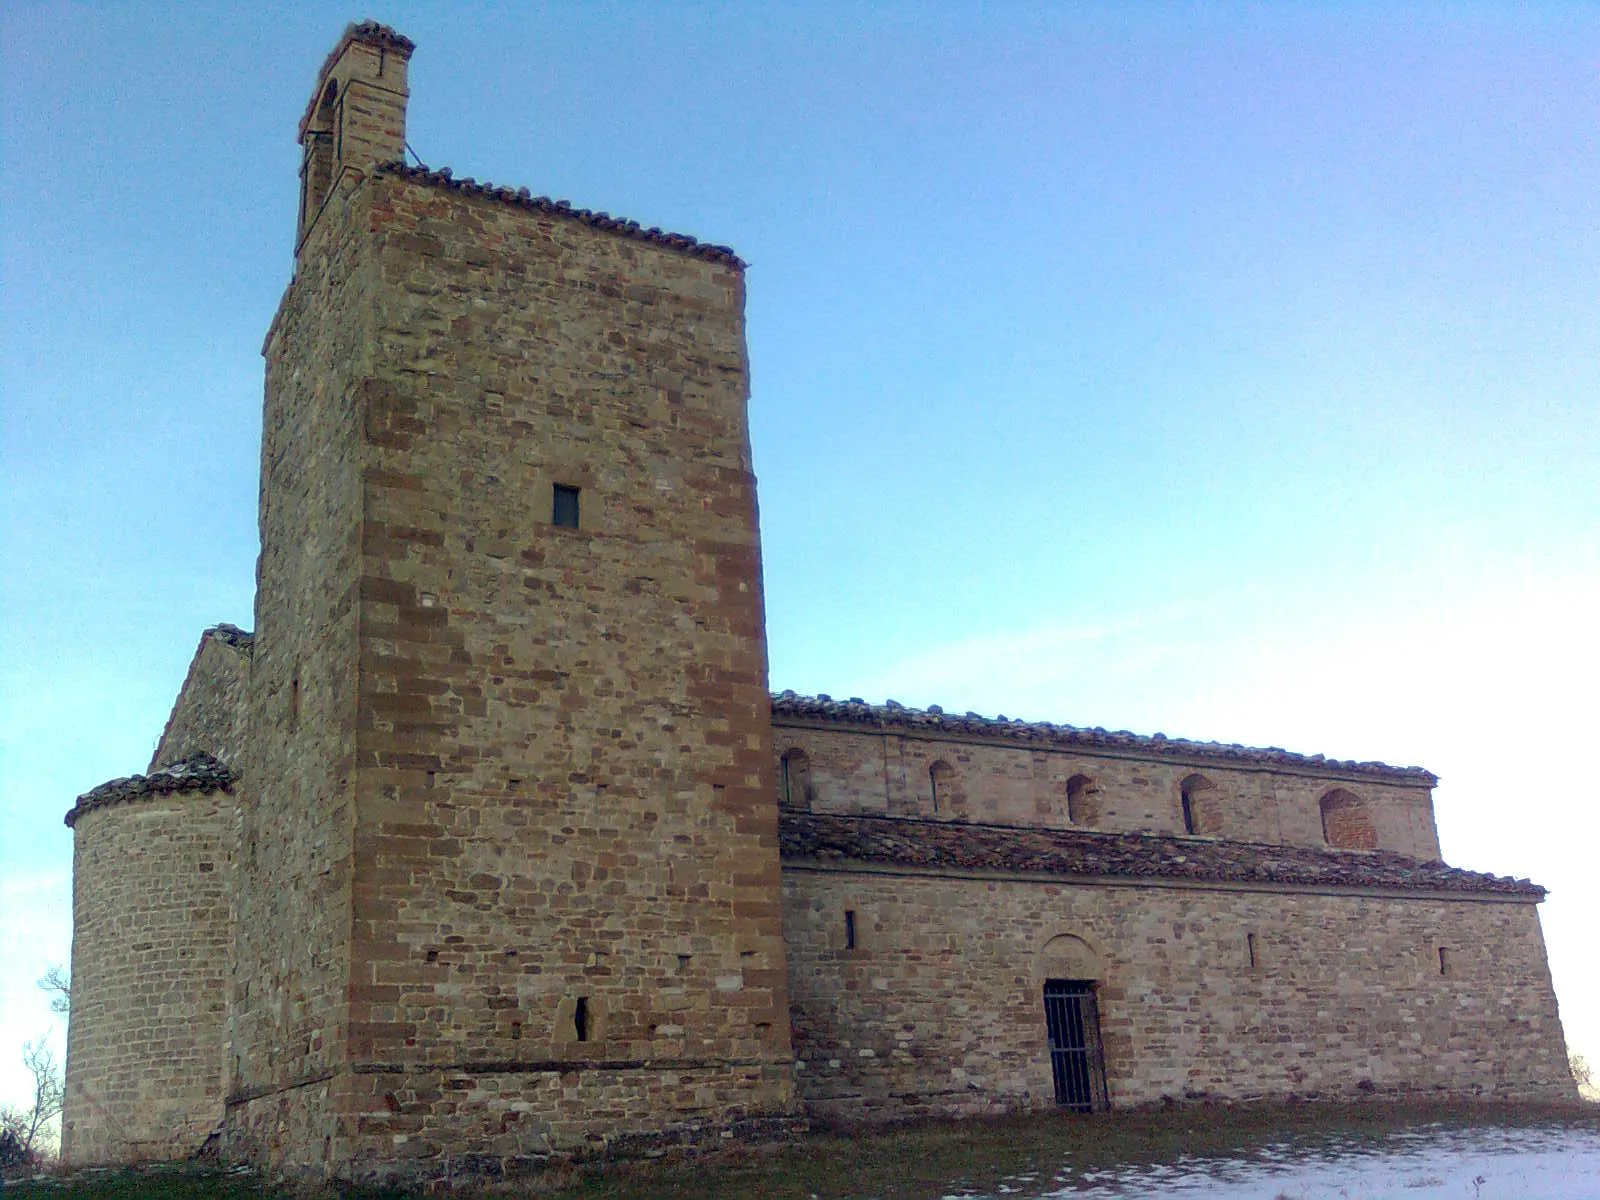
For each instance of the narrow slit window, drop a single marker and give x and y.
(1250, 948)
(849, 929)
(564, 508)
(1198, 805)
(580, 1018)
(1444, 960)
(941, 779)
(294, 698)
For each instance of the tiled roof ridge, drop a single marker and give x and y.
(935, 720)
(921, 842)
(197, 773)
(523, 198)
(231, 635)
(376, 33)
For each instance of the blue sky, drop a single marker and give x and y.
(1226, 371)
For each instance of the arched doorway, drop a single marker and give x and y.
(1069, 971)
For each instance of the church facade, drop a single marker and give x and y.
(490, 843)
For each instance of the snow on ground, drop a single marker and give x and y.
(1429, 1163)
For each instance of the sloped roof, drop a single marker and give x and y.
(523, 198)
(198, 773)
(914, 842)
(936, 722)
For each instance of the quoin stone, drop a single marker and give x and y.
(490, 844)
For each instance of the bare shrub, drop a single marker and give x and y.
(1584, 1074)
(26, 1133)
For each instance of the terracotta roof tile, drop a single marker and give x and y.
(522, 198)
(911, 842)
(937, 722)
(198, 773)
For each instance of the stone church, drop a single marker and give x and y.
(491, 844)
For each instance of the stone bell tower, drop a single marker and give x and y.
(356, 116)
(508, 862)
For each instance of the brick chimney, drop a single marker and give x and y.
(356, 116)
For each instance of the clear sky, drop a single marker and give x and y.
(1226, 371)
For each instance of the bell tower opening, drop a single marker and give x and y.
(356, 117)
(316, 166)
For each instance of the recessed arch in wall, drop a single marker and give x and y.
(316, 170)
(794, 778)
(1197, 799)
(1083, 806)
(1068, 956)
(1347, 820)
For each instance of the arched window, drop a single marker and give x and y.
(1081, 808)
(1347, 821)
(941, 782)
(794, 778)
(316, 169)
(1199, 808)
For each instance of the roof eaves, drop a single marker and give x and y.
(919, 843)
(523, 198)
(934, 721)
(197, 773)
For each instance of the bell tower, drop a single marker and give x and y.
(508, 873)
(356, 117)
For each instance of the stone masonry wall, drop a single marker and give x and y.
(938, 1009)
(208, 716)
(293, 941)
(566, 905)
(852, 770)
(150, 949)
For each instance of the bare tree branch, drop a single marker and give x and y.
(55, 982)
(24, 1131)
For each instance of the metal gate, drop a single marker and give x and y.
(1073, 1022)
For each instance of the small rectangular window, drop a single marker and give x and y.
(849, 929)
(580, 1018)
(564, 510)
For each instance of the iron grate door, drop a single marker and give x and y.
(1073, 1023)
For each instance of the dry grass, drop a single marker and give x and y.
(919, 1162)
